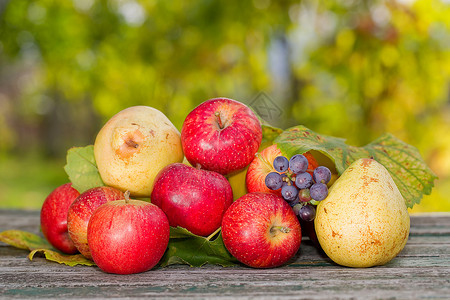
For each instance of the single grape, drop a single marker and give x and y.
(289, 192)
(314, 202)
(298, 164)
(296, 208)
(273, 181)
(304, 195)
(307, 213)
(303, 180)
(318, 191)
(281, 164)
(322, 174)
(293, 202)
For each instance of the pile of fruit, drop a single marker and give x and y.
(229, 180)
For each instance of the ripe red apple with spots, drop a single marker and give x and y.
(54, 218)
(128, 236)
(262, 165)
(261, 230)
(221, 135)
(81, 211)
(191, 198)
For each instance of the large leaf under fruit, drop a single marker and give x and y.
(404, 162)
(36, 244)
(188, 248)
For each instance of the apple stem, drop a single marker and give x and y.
(213, 234)
(282, 229)
(127, 196)
(219, 120)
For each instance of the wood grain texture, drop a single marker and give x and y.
(421, 270)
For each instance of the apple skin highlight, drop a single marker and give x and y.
(128, 236)
(81, 211)
(191, 198)
(54, 218)
(261, 230)
(221, 135)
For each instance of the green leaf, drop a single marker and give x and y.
(180, 232)
(82, 169)
(70, 260)
(195, 251)
(409, 171)
(270, 133)
(36, 244)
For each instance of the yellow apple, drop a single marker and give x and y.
(133, 146)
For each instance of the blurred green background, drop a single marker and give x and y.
(352, 69)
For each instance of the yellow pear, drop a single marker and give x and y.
(364, 221)
(133, 146)
(237, 182)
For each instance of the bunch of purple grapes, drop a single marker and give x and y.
(301, 190)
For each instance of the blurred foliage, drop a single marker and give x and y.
(352, 69)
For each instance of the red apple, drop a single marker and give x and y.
(262, 165)
(128, 236)
(54, 217)
(261, 230)
(81, 211)
(221, 135)
(192, 198)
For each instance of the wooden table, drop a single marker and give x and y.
(421, 270)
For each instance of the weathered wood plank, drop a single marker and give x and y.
(421, 270)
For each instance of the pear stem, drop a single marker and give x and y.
(127, 197)
(219, 120)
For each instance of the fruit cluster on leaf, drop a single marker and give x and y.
(404, 163)
(298, 187)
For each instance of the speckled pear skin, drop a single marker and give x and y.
(364, 221)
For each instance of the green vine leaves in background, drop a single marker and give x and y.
(343, 68)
